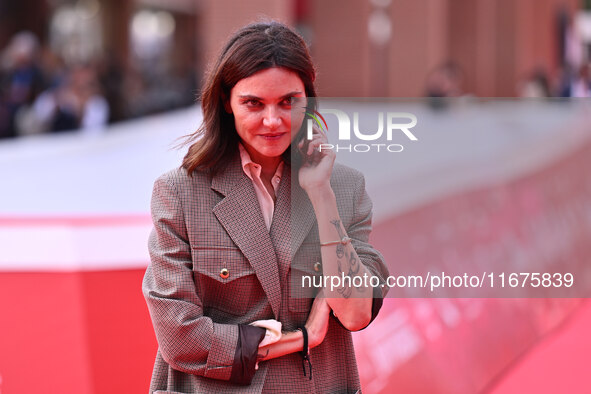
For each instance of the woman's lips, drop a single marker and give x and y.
(272, 136)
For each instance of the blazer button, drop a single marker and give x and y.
(224, 273)
(317, 266)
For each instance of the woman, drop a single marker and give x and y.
(234, 234)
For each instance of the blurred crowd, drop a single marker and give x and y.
(446, 80)
(41, 93)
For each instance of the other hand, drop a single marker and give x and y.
(317, 162)
(317, 324)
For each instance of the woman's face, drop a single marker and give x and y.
(261, 105)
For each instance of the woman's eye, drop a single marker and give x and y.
(286, 102)
(252, 103)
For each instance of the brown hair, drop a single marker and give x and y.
(251, 49)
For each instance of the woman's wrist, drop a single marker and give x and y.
(321, 193)
(313, 336)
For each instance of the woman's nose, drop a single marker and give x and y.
(272, 118)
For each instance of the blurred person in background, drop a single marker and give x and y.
(220, 285)
(21, 80)
(112, 77)
(53, 67)
(445, 81)
(76, 104)
(575, 82)
(580, 85)
(535, 85)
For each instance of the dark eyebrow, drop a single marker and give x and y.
(249, 96)
(253, 97)
(291, 94)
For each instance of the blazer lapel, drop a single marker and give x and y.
(240, 215)
(281, 225)
(293, 219)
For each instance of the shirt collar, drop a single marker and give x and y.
(252, 169)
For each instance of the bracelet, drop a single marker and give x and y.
(305, 352)
(343, 241)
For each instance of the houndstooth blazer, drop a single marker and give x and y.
(215, 265)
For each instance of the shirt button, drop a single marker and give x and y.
(224, 273)
(317, 266)
(277, 180)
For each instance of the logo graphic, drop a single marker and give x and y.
(315, 115)
(388, 124)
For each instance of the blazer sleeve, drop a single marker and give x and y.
(188, 341)
(359, 231)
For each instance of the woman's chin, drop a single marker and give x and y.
(273, 151)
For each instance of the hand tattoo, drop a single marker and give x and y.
(353, 267)
(345, 291)
(337, 224)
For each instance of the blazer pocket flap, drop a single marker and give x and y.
(221, 264)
